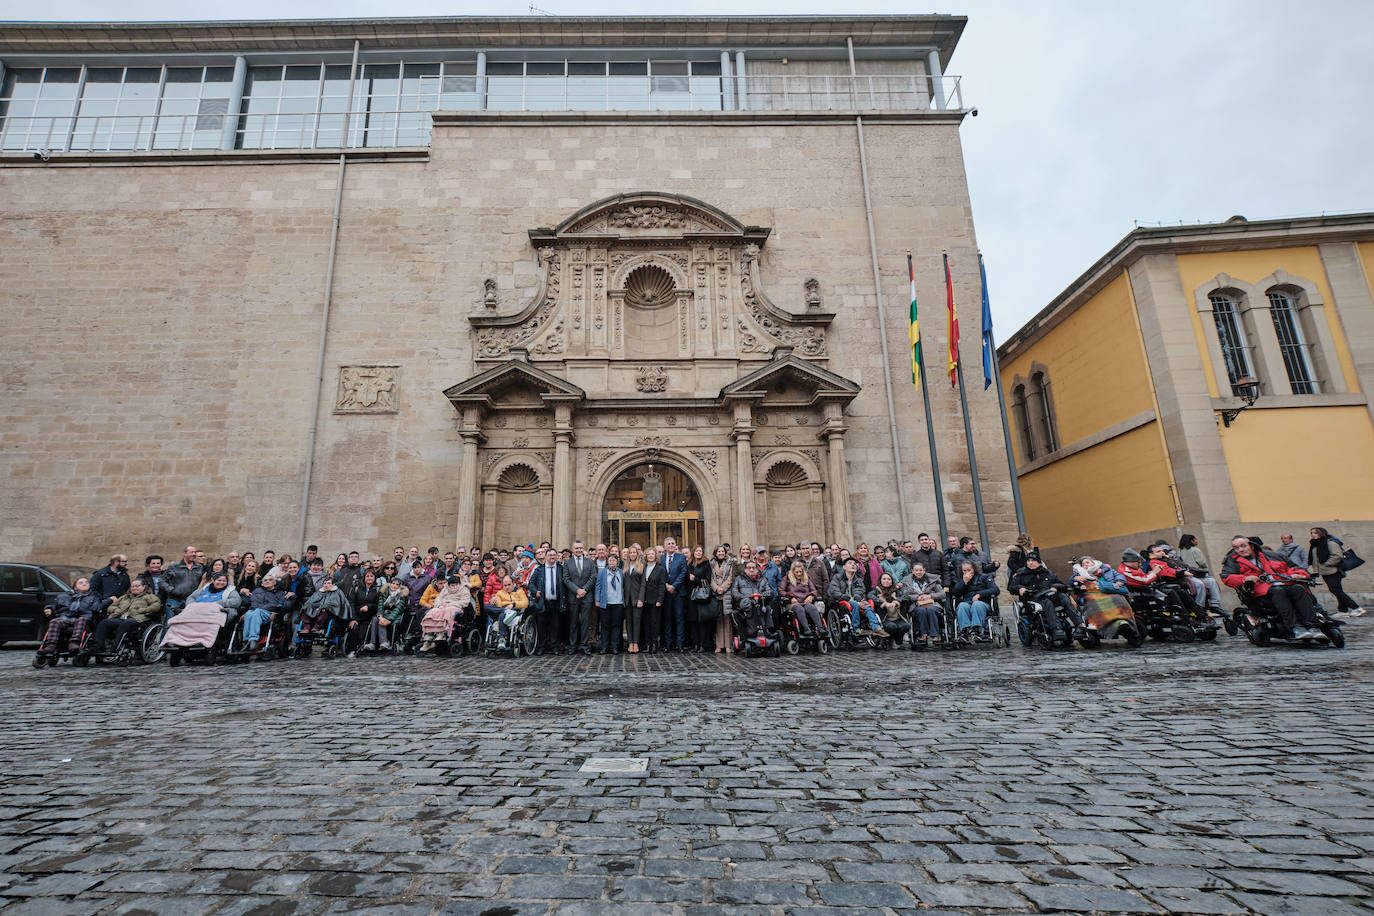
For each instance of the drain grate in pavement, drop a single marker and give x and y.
(534, 712)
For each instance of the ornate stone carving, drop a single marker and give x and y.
(489, 297)
(713, 419)
(802, 419)
(748, 342)
(809, 341)
(709, 459)
(650, 379)
(755, 457)
(492, 459)
(494, 343)
(367, 389)
(593, 421)
(813, 293)
(652, 441)
(632, 420)
(546, 456)
(784, 440)
(521, 442)
(813, 454)
(500, 422)
(541, 422)
(650, 286)
(597, 457)
(646, 217)
(671, 419)
(760, 419)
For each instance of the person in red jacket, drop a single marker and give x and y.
(1247, 567)
(1175, 582)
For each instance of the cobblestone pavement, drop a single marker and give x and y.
(1192, 779)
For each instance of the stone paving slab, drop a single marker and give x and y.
(1192, 779)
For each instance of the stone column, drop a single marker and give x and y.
(471, 431)
(562, 475)
(838, 483)
(746, 515)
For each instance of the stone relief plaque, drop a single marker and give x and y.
(367, 389)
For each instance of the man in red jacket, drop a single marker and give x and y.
(1247, 566)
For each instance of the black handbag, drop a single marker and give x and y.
(1351, 560)
(700, 593)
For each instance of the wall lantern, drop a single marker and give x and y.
(1248, 390)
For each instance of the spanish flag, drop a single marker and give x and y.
(953, 327)
(914, 332)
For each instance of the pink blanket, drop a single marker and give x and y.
(197, 625)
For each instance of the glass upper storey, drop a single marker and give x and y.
(290, 101)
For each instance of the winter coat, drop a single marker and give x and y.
(1193, 558)
(229, 598)
(1138, 578)
(1235, 569)
(981, 584)
(1034, 580)
(1332, 566)
(912, 588)
(153, 586)
(416, 583)
(798, 591)
(933, 560)
(746, 588)
(394, 605)
(109, 584)
(334, 602)
(601, 591)
(871, 571)
(819, 574)
(888, 608)
(143, 608)
(72, 605)
(773, 575)
(179, 580)
(262, 599)
(843, 588)
(897, 568)
(363, 597)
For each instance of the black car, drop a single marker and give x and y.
(25, 589)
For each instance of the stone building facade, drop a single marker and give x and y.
(564, 322)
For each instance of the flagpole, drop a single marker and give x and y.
(1002, 410)
(972, 462)
(934, 455)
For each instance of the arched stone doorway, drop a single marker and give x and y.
(650, 501)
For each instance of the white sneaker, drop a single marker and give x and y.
(1345, 615)
(385, 647)
(1357, 612)
(1302, 633)
(353, 655)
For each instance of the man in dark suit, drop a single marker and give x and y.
(546, 597)
(653, 594)
(674, 623)
(579, 572)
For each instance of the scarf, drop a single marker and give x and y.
(1320, 548)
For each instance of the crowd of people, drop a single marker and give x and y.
(661, 598)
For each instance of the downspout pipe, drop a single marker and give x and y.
(328, 301)
(882, 320)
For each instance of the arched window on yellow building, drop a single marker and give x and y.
(1235, 350)
(1021, 417)
(1040, 404)
(1297, 359)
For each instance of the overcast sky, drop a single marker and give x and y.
(1092, 115)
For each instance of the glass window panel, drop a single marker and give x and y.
(459, 84)
(219, 74)
(504, 93)
(628, 93)
(586, 68)
(140, 76)
(182, 83)
(630, 68)
(544, 68)
(302, 82)
(101, 83)
(545, 93)
(460, 68)
(706, 68)
(1291, 343)
(505, 68)
(706, 93)
(668, 67)
(587, 93)
(55, 77)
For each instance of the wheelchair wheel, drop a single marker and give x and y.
(39, 660)
(1181, 632)
(267, 654)
(473, 642)
(776, 650)
(1333, 633)
(823, 646)
(793, 647)
(832, 628)
(1255, 632)
(1133, 635)
(174, 658)
(1230, 624)
(529, 639)
(1023, 630)
(1207, 635)
(81, 659)
(150, 647)
(1091, 640)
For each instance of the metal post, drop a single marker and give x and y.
(972, 460)
(727, 82)
(228, 137)
(930, 429)
(882, 329)
(1002, 409)
(482, 80)
(937, 83)
(328, 300)
(741, 89)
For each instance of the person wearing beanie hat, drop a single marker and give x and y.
(1131, 555)
(1036, 579)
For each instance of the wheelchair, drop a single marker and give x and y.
(993, 633)
(521, 640)
(1164, 617)
(79, 657)
(794, 640)
(268, 645)
(1262, 624)
(756, 629)
(142, 644)
(1033, 624)
(839, 620)
(468, 634)
(333, 640)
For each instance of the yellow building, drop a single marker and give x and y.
(1123, 393)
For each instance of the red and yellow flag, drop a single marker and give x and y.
(953, 327)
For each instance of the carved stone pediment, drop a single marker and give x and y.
(514, 384)
(789, 379)
(651, 276)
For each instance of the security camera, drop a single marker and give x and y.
(43, 154)
(974, 112)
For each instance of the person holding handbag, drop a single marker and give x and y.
(703, 620)
(1329, 558)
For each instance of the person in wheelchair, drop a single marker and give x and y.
(972, 593)
(848, 592)
(263, 602)
(922, 594)
(1089, 571)
(328, 602)
(799, 594)
(219, 591)
(751, 596)
(1255, 574)
(125, 616)
(1175, 580)
(507, 603)
(886, 597)
(1034, 581)
(71, 614)
(389, 613)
